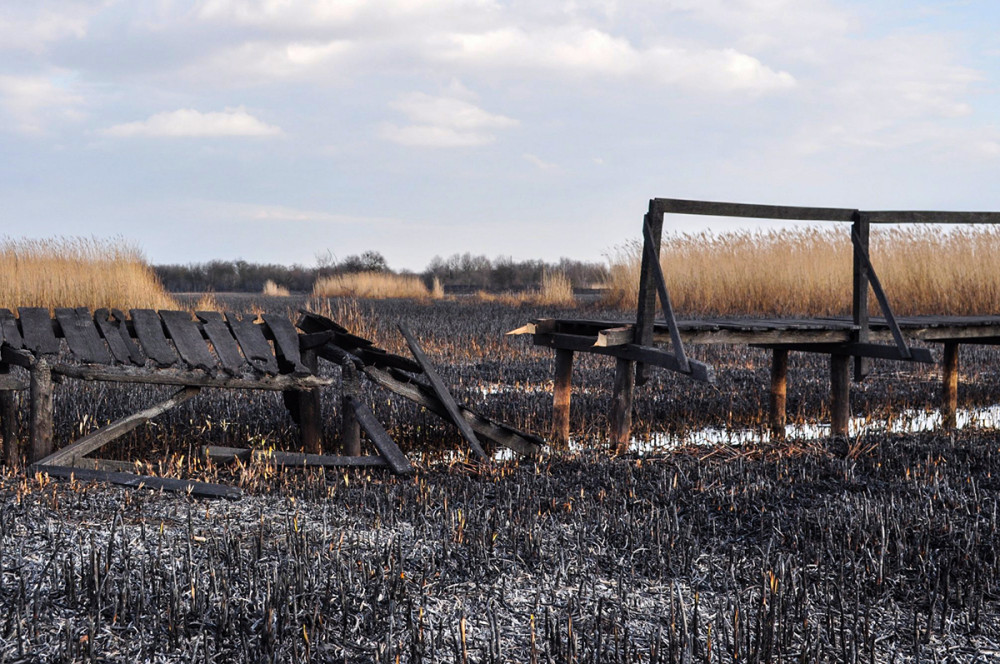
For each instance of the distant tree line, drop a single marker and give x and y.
(459, 272)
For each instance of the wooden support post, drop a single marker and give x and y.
(779, 391)
(350, 431)
(561, 395)
(646, 312)
(840, 394)
(949, 385)
(41, 410)
(859, 305)
(8, 425)
(310, 413)
(621, 405)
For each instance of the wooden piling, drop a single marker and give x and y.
(350, 431)
(779, 392)
(561, 395)
(8, 424)
(840, 394)
(949, 385)
(621, 405)
(310, 413)
(41, 410)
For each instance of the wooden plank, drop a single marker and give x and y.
(19, 358)
(620, 434)
(648, 355)
(949, 386)
(286, 344)
(922, 355)
(378, 436)
(777, 416)
(255, 347)
(41, 410)
(68, 455)
(149, 330)
(110, 331)
(113, 465)
(36, 329)
(419, 393)
(377, 357)
(226, 348)
(443, 394)
(932, 217)
(562, 394)
(81, 336)
(350, 428)
(180, 377)
(840, 395)
(9, 332)
(859, 302)
(720, 209)
(290, 459)
(615, 336)
(199, 489)
(126, 330)
(11, 446)
(188, 340)
(310, 414)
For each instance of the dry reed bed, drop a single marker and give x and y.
(807, 271)
(78, 272)
(375, 285)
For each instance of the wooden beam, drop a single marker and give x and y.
(882, 352)
(280, 458)
(719, 209)
(615, 336)
(310, 408)
(562, 391)
(645, 316)
(840, 395)
(8, 424)
(350, 428)
(378, 436)
(443, 394)
(41, 409)
(648, 355)
(180, 377)
(859, 305)
(668, 309)
(779, 391)
(862, 253)
(621, 406)
(931, 217)
(949, 385)
(199, 489)
(69, 455)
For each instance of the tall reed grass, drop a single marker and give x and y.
(373, 285)
(78, 272)
(807, 271)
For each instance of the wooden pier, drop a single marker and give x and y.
(645, 342)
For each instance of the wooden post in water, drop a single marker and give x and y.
(621, 405)
(41, 410)
(779, 391)
(840, 394)
(949, 385)
(8, 424)
(561, 395)
(310, 413)
(350, 431)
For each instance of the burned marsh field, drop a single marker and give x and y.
(878, 548)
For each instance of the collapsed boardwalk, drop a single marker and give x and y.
(862, 337)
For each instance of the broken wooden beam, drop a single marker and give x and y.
(199, 489)
(378, 436)
(220, 454)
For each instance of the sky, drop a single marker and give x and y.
(279, 130)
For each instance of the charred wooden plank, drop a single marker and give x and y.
(149, 330)
(286, 344)
(36, 330)
(41, 409)
(19, 358)
(188, 340)
(283, 459)
(214, 326)
(9, 333)
(199, 489)
(255, 347)
(378, 436)
(932, 217)
(615, 336)
(720, 209)
(111, 333)
(877, 351)
(126, 330)
(81, 336)
(181, 377)
(443, 394)
(68, 455)
(646, 354)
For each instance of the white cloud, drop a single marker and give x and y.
(443, 122)
(33, 102)
(263, 61)
(32, 26)
(540, 163)
(192, 123)
(309, 15)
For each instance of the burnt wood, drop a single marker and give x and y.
(110, 332)
(378, 436)
(226, 348)
(350, 428)
(11, 446)
(9, 332)
(149, 331)
(634, 352)
(19, 358)
(181, 377)
(199, 489)
(652, 225)
(859, 302)
(862, 253)
(719, 209)
(286, 344)
(668, 308)
(290, 459)
(621, 405)
(949, 386)
(126, 330)
(36, 330)
(443, 394)
(931, 217)
(562, 394)
(82, 336)
(41, 409)
(188, 340)
(840, 395)
(779, 392)
(877, 351)
(255, 346)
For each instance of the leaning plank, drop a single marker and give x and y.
(68, 455)
(200, 489)
(9, 334)
(222, 340)
(442, 393)
(255, 347)
(379, 437)
(149, 330)
(220, 454)
(36, 328)
(188, 340)
(286, 342)
(180, 377)
(112, 334)
(113, 465)
(126, 330)
(81, 336)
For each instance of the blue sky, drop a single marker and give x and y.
(275, 130)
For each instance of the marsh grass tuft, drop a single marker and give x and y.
(372, 285)
(272, 289)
